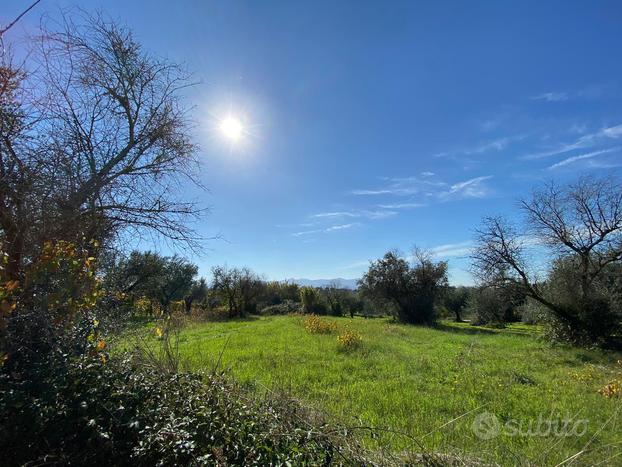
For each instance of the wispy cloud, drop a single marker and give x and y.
(329, 229)
(472, 188)
(583, 142)
(441, 191)
(593, 91)
(306, 232)
(468, 154)
(332, 215)
(580, 157)
(334, 228)
(403, 187)
(360, 213)
(402, 206)
(450, 250)
(495, 145)
(384, 214)
(551, 97)
(613, 132)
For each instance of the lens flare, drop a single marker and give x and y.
(232, 128)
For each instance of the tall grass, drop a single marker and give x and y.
(421, 389)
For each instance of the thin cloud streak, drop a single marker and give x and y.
(583, 142)
(332, 228)
(306, 232)
(369, 214)
(451, 250)
(496, 145)
(472, 188)
(341, 227)
(324, 215)
(589, 155)
(551, 97)
(441, 191)
(402, 206)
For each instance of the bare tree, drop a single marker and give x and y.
(98, 141)
(582, 221)
(239, 288)
(14, 22)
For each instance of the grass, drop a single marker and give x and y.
(430, 384)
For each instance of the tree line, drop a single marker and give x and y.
(561, 267)
(169, 282)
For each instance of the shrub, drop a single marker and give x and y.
(316, 325)
(128, 412)
(349, 339)
(64, 401)
(613, 388)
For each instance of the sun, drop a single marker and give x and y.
(232, 128)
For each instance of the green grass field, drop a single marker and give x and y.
(431, 384)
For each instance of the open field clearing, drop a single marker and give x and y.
(430, 384)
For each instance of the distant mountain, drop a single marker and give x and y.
(344, 283)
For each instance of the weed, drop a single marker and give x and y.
(316, 325)
(349, 339)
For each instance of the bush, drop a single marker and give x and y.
(614, 387)
(316, 325)
(65, 401)
(128, 412)
(349, 339)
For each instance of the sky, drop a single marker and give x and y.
(375, 125)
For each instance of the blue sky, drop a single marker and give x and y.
(377, 125)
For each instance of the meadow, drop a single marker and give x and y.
(430, 389)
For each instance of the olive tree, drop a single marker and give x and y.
(579, 226)
(198, 293)
(156, 277)
(412, 289)
(455, 300)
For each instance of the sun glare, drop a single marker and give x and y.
(232, 128)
